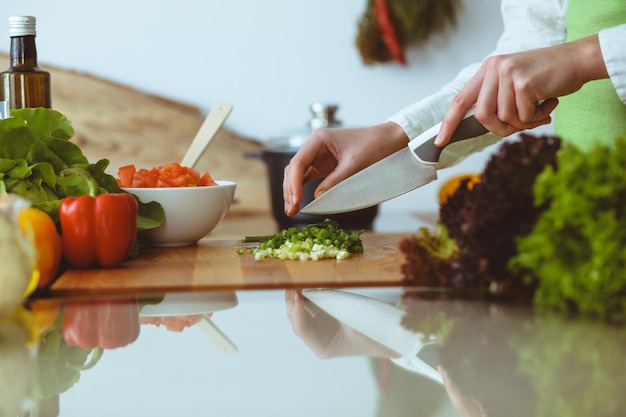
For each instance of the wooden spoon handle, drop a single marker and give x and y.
(209, 128)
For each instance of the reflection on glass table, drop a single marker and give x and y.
(166, 372)
(70, 337)
(282, 355)
(494, 359)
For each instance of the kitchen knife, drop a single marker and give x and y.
(381, 322)
(397, 174)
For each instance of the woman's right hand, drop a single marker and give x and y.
(519, 91)
(337, 154)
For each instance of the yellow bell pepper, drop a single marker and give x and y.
(450, 186)
(39, 227)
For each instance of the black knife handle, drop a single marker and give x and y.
(468, 128)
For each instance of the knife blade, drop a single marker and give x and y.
(381, 322)
(397, 174)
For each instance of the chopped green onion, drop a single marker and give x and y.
(323, 240)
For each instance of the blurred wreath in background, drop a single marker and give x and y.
(388, 27)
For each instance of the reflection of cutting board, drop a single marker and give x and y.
(127, 126)
(215, 265)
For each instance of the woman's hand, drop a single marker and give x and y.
(519, 91)
(337, 154)
(461, 402)
(325, 335)
(318, 330)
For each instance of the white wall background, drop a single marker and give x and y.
(271, 59)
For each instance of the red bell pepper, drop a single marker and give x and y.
(388, 31)
(99, 230)
(106, 323)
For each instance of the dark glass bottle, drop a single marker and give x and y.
(24, 84)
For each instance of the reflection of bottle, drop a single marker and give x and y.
(24, 84)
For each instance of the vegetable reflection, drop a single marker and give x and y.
(495, 359)
(17, 367)
(477, 362)
(74, 334)
(511, 362)
(104, 323)
(583, 374)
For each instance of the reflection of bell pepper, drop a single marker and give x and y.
(103, 323)
(45, 312)
(98, 230)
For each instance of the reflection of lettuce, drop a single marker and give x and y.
(577, 368)
(16, 367)
(479, 358)
(58, 364)
(40, 163)
(515, 362)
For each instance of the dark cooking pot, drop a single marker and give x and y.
(277, 157)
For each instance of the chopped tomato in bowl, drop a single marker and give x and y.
(193, 203)
(168, 175)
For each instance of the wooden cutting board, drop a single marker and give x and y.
(214, 264)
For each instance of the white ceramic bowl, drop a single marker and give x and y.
(183, 304)
(191, 213)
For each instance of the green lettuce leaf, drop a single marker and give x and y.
(40, 163)
(575, 252)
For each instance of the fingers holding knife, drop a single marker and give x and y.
(502, 102)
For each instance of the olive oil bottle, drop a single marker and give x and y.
(24, 84)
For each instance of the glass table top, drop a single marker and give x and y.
(357, 352)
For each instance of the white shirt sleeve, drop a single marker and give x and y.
(614, 53)
(528, 24)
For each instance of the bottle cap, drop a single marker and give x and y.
(22, 26)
